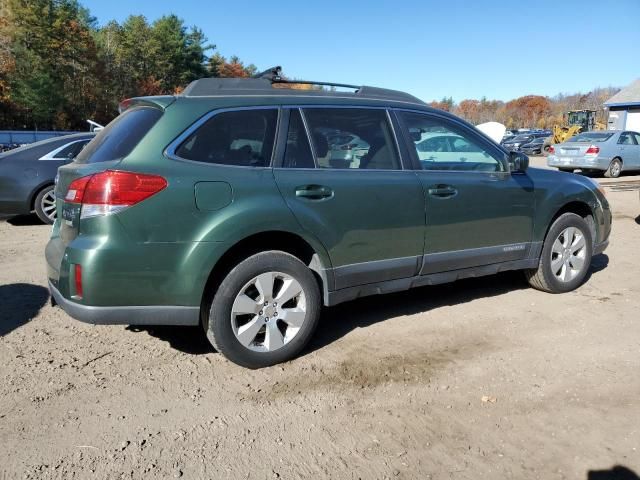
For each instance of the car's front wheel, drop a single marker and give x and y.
(265, 310)
(566, 256)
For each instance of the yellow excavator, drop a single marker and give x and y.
(576, 121)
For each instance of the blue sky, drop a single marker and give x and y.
(464, 49)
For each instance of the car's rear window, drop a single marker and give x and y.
(120, 137)
(591, 137)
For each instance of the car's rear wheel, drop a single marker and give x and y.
(45, 205)
(566, 256)
(615, 169)
(265, 310)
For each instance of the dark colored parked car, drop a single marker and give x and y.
(513, 144)
(534, 147)
(27, 174)
(213, 208)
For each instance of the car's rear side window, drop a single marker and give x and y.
(240, 137)
(352, 138)
(297, 151)
(121, 136)
(72, 150)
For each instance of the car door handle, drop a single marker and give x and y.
(314, 192)
(442, 191)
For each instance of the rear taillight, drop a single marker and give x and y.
(111, 191)
(592, 150)
(551, 149)
(76, 190)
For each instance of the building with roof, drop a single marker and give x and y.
(624, 108)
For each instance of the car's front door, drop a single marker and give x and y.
(477, 212)
(361, 204)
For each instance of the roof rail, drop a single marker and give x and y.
(264, 81)
(274, 75)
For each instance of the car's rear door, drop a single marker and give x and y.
(477, 212)
(368, 211)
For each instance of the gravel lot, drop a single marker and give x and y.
(484, 378)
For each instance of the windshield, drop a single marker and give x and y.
(520, 138)
(121, 136)
(591, 137)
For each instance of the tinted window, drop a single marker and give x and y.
(297, 151)
(120, 137)
(242, 138)
(440, 145)
(352, 138)
(71, 151)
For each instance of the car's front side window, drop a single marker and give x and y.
(352, 138)
(441, 145)
(240, 137)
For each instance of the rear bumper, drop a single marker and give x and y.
(135, 315)
(595, 163)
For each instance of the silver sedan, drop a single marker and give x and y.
(611, 152)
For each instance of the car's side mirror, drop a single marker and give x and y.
(518, 162)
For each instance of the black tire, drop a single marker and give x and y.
(615, 169)
(566, 170)
(543, 278)
(40, 207)
(218, 325)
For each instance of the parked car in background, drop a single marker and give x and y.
(513, 144)
(611, 152)
(212, 208)
(345, 150)
(534, 147)
(27, 174)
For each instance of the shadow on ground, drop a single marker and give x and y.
(20, 302)
(24, 220)
(598, 263)
(338, 321)
(616, 473)
(191, 340)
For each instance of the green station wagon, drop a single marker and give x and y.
(232, 206)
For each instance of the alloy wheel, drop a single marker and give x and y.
(48, 205)
(568, 254)
(268, 312)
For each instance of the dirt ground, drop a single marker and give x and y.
(484, 378)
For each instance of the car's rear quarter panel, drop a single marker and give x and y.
(162, 250)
